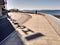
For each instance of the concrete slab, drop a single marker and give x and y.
(37, 24)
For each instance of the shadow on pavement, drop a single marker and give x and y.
(34, 36)
(6, 29)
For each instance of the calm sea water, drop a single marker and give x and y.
(57, 12)
(53, 12)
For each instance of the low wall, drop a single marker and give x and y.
(55, 22)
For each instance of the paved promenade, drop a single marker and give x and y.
(37, 30)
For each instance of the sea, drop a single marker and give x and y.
(52, 12)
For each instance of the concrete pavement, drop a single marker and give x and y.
(37, 24)
(35, 31)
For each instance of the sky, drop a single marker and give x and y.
(33, 4)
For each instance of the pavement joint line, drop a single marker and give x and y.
(53, 27)
(48, 42)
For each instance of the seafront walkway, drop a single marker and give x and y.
(31, 29)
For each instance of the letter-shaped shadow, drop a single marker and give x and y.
(28, 30)
(34, 36)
